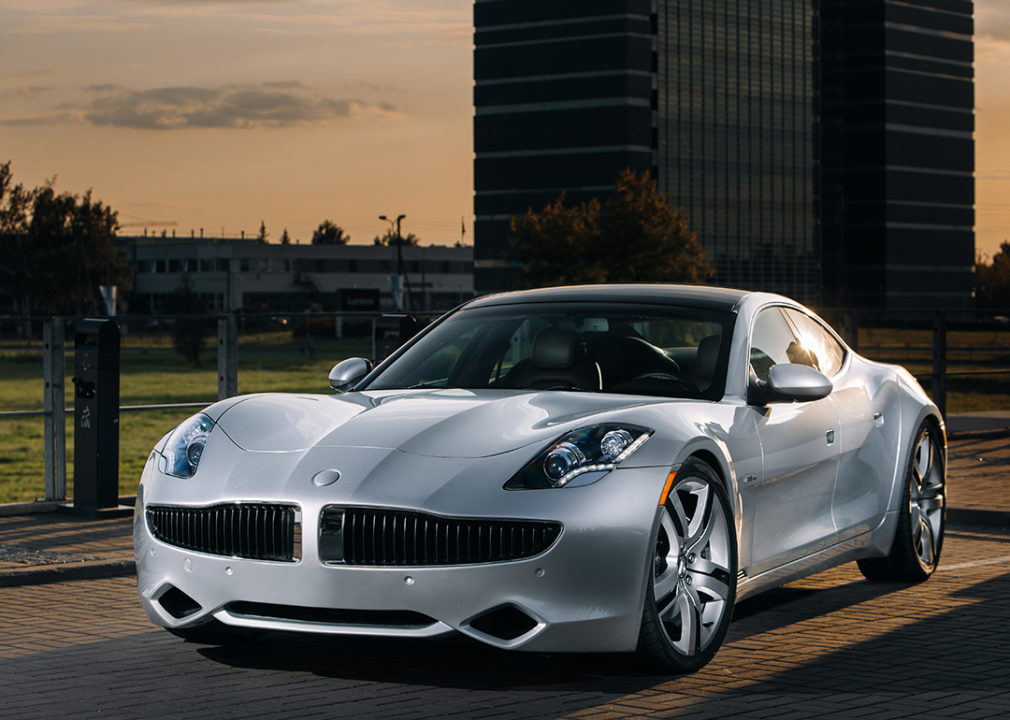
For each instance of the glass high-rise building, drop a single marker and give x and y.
(564, 96)
(897, 153)
(737, 119)
(780, 126)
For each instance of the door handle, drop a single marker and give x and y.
(830, 435)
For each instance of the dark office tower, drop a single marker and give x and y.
(822, 148)
(738, 133)
(898, 153)
(564, 100)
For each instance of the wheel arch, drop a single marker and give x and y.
(713, 461)
(714, 454)
(929, 416)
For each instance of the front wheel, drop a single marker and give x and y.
(918, 539)
(692, 577)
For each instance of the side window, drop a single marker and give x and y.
(818, 341)
(771, 342)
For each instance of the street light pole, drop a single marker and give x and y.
(401, 269)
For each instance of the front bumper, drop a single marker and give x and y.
(584, 594)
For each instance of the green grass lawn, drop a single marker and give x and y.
(153, 374)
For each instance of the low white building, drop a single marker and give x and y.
(245, 274)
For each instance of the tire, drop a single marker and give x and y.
(918, 538)
(691, 584)
(216, 633)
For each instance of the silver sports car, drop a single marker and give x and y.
(601, 468)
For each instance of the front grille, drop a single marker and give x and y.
(364, 536)
(257, 531)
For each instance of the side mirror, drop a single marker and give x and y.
(347, 373)
(789, 383)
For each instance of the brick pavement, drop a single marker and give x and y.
(977, 470)
(829, 646)
(48, 547)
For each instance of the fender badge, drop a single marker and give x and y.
(326, 477)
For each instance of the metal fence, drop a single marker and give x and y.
(848, 324)
(54, 331)
(54, 352)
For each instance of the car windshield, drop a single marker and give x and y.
(598, 347)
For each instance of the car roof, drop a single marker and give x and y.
(699, 296)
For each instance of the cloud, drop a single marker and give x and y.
(273, 104)
(992, 20)
(104, 88)
(32, 74)
(284, 85)
(374, 88)
(30, 92)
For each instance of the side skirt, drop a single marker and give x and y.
(875, 543)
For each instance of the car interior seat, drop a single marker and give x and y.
(559, 359)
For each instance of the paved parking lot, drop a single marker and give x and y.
(830, 646)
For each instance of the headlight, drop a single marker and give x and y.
(581, 457)
(185, 447)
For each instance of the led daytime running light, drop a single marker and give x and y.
(603, 467)
(585, 451)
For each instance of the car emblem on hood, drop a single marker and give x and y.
(326, 477)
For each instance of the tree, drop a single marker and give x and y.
(329, 234)
(15, 203)
(389, 238)
(189, 332)
(263, 234)
(285, 238)
(992, 280)
(15, 214)
(56, 249)
(634, 236)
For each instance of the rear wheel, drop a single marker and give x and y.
(692, 578)
(918, 538)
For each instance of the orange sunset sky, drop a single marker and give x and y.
(220, 115)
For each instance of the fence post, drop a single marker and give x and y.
(940, 361)
(227, 357)
(60, 407)
(49, 433)
(54, 405)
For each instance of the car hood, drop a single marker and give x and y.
(435, 423)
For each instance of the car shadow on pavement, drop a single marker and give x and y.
(943, 657)
(463, 663)
(454, 662)
(783, 606)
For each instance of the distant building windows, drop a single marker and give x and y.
(212, 302)
(151, 266)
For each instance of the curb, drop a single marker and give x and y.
(988, 518)
(50, 506)
(993, 434)
(66, 573)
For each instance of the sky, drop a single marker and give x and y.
(219, 115)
